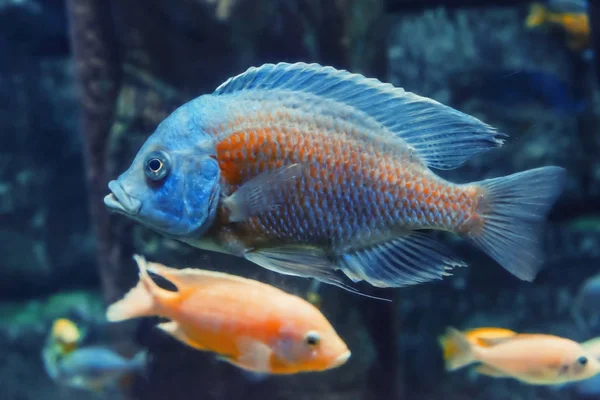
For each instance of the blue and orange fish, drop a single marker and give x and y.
(308, 170)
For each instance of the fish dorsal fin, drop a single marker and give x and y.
(443, 137)
(489, 342)
(193, 278)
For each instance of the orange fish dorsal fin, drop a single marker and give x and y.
(494, 341)
(489, 342)
(192, 278)
(475, 335)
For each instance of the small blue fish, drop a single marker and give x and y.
(307, 170)
(96, 368)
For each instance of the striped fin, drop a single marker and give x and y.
(443, 137)
(408, 260)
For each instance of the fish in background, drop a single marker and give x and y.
(535, 359)
(307, 170)
(93, 368)
(588, 295)
(254, 326)
(516, 88)
(569, 15)
(475, 336)
(66, 335)
(97, 368)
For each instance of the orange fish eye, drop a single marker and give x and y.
(582, 360)
(312, 338)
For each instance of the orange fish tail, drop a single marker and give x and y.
(139, 301)
(449, 349)
(538, 14)
(512, 211)
(458, 351)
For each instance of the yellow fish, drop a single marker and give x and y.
(66, 335)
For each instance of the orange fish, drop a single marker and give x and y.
(536, 359)
(574, 22)
(474, 336)
(250, 324)
(311, 171)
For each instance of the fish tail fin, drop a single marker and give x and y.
(449, 349)
(462, 351)
(513, 209)
(139, 301)
(538, 14)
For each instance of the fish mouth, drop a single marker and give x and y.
(341, 359)
(121, 202)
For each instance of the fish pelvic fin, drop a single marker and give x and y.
(438, 135)
(141, 301)
(514, 209)
(462, 354)
(538, 15)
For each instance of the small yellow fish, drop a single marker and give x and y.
(475, 337)
(250, 324)
(536, 359)
(575, 24)
(65, 334)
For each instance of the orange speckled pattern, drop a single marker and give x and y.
(352, 188)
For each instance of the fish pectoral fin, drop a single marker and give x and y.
(254, 356)
(302, 261)
(261, 193)
(173, 329)
(485, 369)
(407, 260)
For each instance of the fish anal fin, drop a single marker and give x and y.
(485, 369)
(187, 279)
(302, 261)
(407, 260)
(172, 328)
(261, 193)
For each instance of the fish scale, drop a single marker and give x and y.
(365, 182)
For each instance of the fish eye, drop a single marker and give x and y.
(582, 360)
(156, 166)
(312, 338)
